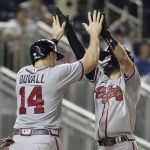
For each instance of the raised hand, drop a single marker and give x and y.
(58, 29)
(95, 23)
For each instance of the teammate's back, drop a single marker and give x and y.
(40, 92)
(38, 99)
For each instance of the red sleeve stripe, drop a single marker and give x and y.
(82, 70)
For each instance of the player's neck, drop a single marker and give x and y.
(115, 75)
(42, 63)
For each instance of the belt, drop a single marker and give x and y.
(30, 132)
(110, 141)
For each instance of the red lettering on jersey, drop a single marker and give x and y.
(105, 94)
(34, 99)
(38, 102)
(22, 109)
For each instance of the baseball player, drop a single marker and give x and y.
(40, 88)
(116, 91)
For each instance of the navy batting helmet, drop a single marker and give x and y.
(41, 48)
(109, 62)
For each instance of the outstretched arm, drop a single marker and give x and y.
(125, 62)
(91, 57)
(77, 47)
(75, 44)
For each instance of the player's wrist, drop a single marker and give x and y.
(93, 35)
(110, 40)
(57, 36)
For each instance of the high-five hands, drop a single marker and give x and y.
(58, 29)
(95, 23)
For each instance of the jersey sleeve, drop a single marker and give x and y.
(70, 73)
(133, 85)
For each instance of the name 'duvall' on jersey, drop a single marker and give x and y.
(31, 78)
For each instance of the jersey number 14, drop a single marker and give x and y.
(34, 99)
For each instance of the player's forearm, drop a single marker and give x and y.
(91, 57)
(115, 47)
(125, 62)
(77, 47)
(75, 44)
(120, 54)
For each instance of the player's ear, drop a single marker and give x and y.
(50, 55)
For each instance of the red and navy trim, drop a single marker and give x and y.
(95, 76)
(106, 121)
(101, 119)
(36, 71)
(127, 78)
(56, 143)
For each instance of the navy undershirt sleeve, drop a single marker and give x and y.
(77, 48)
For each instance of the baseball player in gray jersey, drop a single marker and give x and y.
(40, 88)
(116, 90)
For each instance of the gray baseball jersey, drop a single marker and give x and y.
(115, 104)
(40, 93)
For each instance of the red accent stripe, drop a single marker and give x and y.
(41, 69)
(29, 71)
(56, 143)
(82, 70)
(106, 122)
(133, 146)
(101, 119)
(36, 71)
